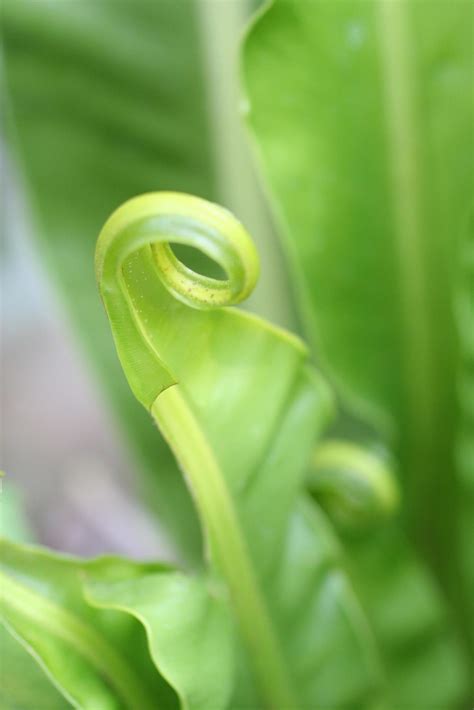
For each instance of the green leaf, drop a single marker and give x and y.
(98, 659)
(464, 302)
(90, 613)
(106, 100)
(13, 522)
(79, 620)
(238, 405)
(188, 625)
(24, 684)
(362, 115)
(357, 486)
(421, 655)
(363, 118)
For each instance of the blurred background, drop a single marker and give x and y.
(66, 467)
(101, 101)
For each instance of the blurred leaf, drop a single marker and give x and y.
(238, 185)
(423, 660)
(421, 655)
(362, 113)
(23, 683)
(13, 521)
(464, 302)
(106, 101)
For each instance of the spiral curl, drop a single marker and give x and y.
(355, 485)
(134, 260)
(159, 219)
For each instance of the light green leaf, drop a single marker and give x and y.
(362, 115)
(188, 625)
(98, 659)
(238, 405)
(24, 685)
(106, 100)
(81, 620)
(13, 522)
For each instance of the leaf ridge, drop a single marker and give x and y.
(403, 151)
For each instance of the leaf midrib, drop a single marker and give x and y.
(227, 543)
(398, 71)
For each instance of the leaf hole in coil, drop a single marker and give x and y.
(198, 261)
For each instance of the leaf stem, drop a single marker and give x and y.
(227, 544)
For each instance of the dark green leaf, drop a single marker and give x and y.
(465, 448)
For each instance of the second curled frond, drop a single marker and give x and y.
(356, 485)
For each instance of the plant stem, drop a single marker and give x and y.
(180, 428)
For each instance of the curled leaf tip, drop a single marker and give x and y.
(160, 219)
(356, 485)
(141, 279)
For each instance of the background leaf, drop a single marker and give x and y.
(421, 655)
(24, 684)
(14, 524)
(107, 101)
(464, 302)
(363, 120)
